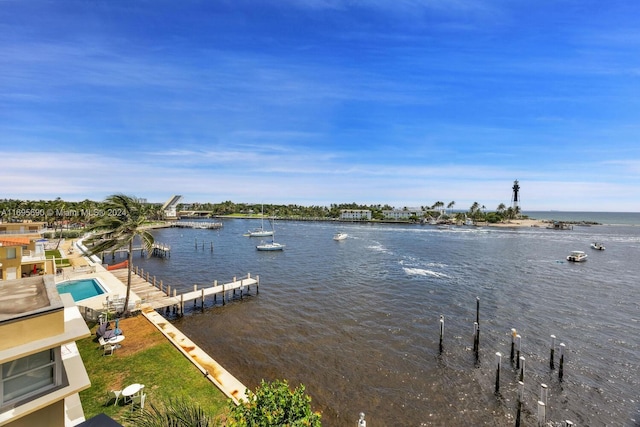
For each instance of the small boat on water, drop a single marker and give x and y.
(270, 246)
(261, 231)
(577, 256)
(598, 246)
(339, 236)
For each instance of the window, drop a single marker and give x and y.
(30, 376)
(11, 253)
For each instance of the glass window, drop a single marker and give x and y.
(11, 253)
(29, 375)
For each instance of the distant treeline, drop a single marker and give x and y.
(87, 211)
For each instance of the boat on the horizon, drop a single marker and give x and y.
(577, 256)
(339, 236)
(597, 246)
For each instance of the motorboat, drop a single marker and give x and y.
(339, 236)
(577, 256)
(598, 246)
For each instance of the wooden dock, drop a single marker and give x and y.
(197, 224)
(160, 296)
(157, 249)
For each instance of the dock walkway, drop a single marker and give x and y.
(158, 296)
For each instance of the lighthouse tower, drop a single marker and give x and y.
(515, 199)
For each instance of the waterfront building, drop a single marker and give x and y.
(399, 214)
(41, 371)
(355, 214)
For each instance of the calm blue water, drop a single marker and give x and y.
(81, 289)
(357, 321)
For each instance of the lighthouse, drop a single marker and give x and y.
(515, 198)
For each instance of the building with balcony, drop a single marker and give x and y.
(41, 371)
(401, 214)
(23, 257)
(26, 229)
(355, 214)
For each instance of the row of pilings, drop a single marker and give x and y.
(517, 361)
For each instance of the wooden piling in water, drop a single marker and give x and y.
(553, 346)
(522, 368)
(561, 367)
(441, 330)
(514, 333)
(498, 360)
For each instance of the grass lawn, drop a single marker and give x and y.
(148, 358)
(60, 262)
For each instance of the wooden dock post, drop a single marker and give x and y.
(195, 288)
(561, 367)
(519, 343)
(498, 360)
(553, 345)
(154, 280)
(202, 299)
(257, 284)
(441, 330)
(223, 296)
(514, 333)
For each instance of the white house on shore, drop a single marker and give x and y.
(355, 214)
(400, 214)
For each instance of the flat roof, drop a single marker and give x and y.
(28, 296)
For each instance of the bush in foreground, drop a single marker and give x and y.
(274, 404)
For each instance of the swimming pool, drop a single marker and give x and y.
(81, 289)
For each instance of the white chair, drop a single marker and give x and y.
(114, 394)
(138, 399)
(107, 348)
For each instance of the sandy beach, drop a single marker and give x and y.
(519, 223)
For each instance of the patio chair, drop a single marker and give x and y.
(107, 348)
(139, 400)
(113, 394)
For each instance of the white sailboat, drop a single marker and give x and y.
(272, 245)
(259, 232)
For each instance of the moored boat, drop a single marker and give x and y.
(598, 246)
(339, 236)
(270, 246)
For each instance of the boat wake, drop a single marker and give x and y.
(423, 272)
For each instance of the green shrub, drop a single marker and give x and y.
(274, 404)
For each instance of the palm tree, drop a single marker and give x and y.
(121, 223)
(451, 205)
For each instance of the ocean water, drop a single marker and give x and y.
(357, 321)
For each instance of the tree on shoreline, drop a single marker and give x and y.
(121, 222)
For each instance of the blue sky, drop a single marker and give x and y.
(313, 102)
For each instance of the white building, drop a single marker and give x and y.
(402, 214)
(355, 214)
